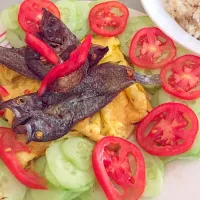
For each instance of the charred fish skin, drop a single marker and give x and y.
(102, 84)
(96, 53)
(14, 60)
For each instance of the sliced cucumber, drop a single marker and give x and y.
(51, 178)
(9, 17)
(154, 173)
(10, 187)
(72, 195)
(16, 37)
(68, 13)
(134, 24)
(164, 97)
(81, 33)
(94, 193)
(50, 194)
(79, 151)
(28, 195)
(40, 165)
(85, 188)
(65, 172)
(94, 3)
(154, 99)
(82, 12)
(144, 19)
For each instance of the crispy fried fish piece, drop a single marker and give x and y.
(46, 123)
(14, 59)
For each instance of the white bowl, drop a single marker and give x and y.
(156, 11)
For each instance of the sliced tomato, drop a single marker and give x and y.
(151, 48)
(181, 77)
(9, 146)
(30, 14)
(169, 129)
(108, 18)
(112, 166)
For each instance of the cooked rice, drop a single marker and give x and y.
(187, 14)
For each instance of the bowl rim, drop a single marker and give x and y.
(186, 40)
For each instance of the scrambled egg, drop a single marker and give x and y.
(129, 107)
(116, 119)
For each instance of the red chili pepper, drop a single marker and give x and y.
(42, 48)
(76, 60)
(27, 91)
(2, 112)
(3, 92)
(9, 146)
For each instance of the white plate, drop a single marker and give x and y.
(182, 178)
(155, 9)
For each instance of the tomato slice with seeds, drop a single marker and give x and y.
(151, 48)
(169, 129)
(108, 18)
(181, 77)
(113, 163)
(9, 147)
(30, 14)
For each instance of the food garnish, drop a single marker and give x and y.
(42, 48)
(108, 18)
(9, 146)
(181, 77)
(30, 14)
(151, 48)
(114, 159)
(3, 92)
(169, 129)
(76, 59)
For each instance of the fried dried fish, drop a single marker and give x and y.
(45, 122)
(14, 59)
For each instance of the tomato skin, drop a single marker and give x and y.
(101, 16)
(170, 134)
(151, 48)
(177, 68)
(133, 188)
(9, 146)
(30, 14)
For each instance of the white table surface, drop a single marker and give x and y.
(130, 3)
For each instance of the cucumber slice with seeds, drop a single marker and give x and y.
(65, 172)
(68, 13)
(79, 151)
(10, 187)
